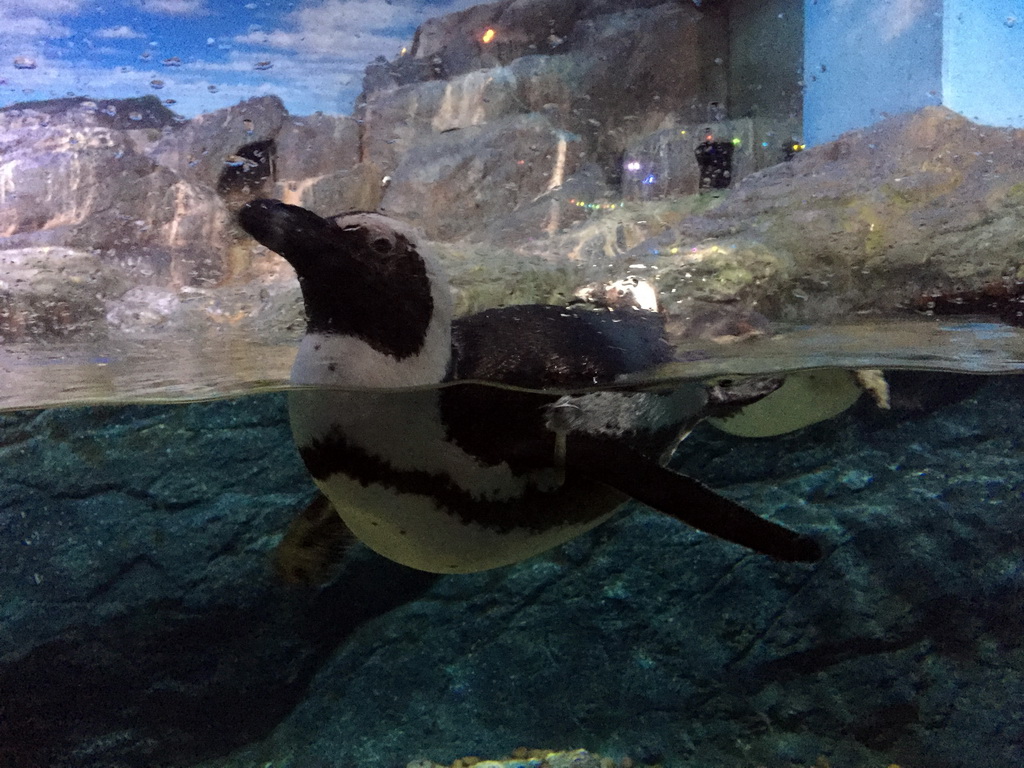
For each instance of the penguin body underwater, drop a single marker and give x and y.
(434, 469)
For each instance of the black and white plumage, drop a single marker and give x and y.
(454, 477)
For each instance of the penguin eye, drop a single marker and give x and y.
(381, 245)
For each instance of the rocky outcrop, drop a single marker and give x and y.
(78, 183)
(456, 183)
(918, 203)
(595, 71)
(454, 44)
(142, 113)
(511, 140)
(144, 198)
(318, 166)
(566, 142)
(205, 148)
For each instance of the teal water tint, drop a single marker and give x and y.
(178, 367)
(142, 624)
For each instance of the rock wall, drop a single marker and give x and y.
(920, 203)
(522, 149)
(474, 138)
(596, 72)
(145, 199)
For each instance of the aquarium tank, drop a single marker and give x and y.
(521, 384)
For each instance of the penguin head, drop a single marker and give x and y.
(377, 302)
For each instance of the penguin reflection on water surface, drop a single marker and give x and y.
(463, 477)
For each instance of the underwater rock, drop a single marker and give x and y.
(140, 617)
(141, 622)
(902, 647)
(522, 757)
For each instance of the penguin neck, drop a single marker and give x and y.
(346, 361)
(334, 360)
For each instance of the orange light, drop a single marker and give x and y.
(488, 36)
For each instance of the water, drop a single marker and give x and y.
(228, 362)
(144, 621)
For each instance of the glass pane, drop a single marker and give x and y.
(460, 283)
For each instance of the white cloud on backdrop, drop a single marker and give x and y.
(175, 7)
(122, 32)
(15, 8)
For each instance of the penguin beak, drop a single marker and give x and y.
(293, 232)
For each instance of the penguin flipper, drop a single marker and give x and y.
(686, 499)
(314, 544)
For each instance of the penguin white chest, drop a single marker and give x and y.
(385, 461)
(413, 530)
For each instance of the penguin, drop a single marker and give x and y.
(455, 445)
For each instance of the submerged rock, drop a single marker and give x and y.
(141, 623)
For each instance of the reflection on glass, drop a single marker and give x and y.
(733, 279)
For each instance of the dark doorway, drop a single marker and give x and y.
(715, 161)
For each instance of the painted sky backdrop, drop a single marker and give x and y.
(204, 54)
